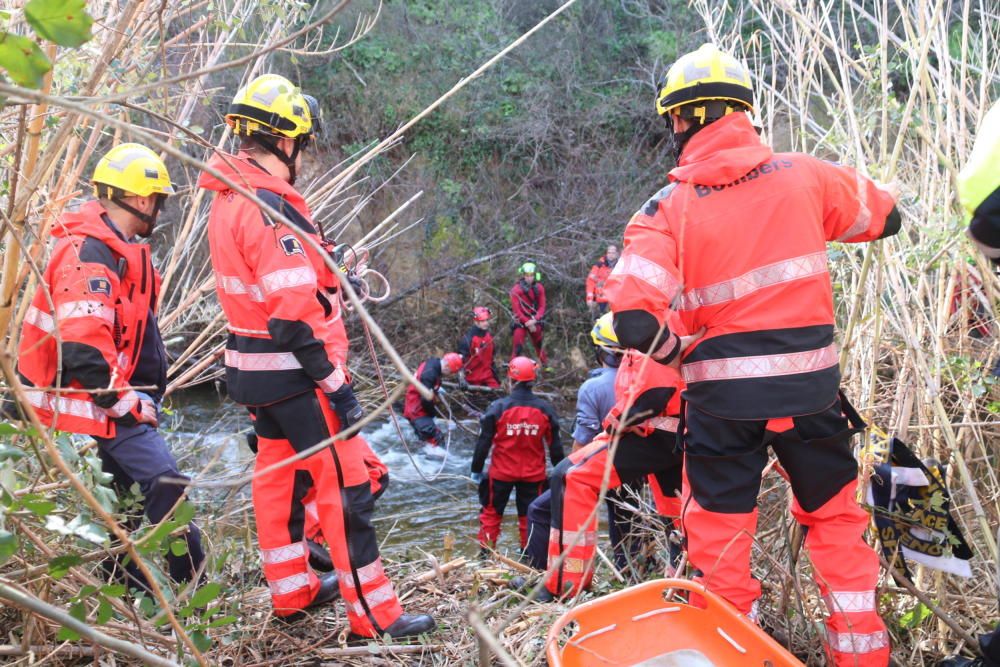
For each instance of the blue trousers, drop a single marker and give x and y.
(139, 455)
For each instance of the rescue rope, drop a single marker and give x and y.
(360, 273)
(395, 420)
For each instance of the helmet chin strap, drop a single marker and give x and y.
(678, 140)
(287, 160)
(148, 218)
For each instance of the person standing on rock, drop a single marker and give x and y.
(286, 357)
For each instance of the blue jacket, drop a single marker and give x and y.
(594, 401)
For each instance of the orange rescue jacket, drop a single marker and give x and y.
(736, 243)
(596, 280)
(97, 293)
(286, 334)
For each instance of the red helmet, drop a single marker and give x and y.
(451, 362)
(522, 369)
(481, 314)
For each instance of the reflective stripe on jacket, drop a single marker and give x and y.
(286, 335)
(736, 243)
(98, 292)
(596, 280)
(647, 397)
(518, 428)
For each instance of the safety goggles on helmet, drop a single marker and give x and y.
(481, 314)
(129, 170)
(522, 369)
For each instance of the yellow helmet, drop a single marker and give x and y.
(702, 76)
(271, 105)
(603, 334)
(131, 169)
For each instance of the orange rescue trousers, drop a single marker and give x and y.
(723, 463)
(576, 485)
(340, 479)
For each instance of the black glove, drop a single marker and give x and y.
(346, 405)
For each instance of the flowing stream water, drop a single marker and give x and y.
(431, 504)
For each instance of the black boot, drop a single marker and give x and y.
(329, 590)
(319, 557)
(411, 625)
(544, 596)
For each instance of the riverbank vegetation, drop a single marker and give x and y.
(543, 155)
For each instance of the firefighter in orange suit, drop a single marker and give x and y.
(644, 420)
(92, 326)
(735, 245)
(597, 300)
(286, 358)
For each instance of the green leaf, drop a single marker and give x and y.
(23, 60)
(106, 497)
(104, 612)
(10, 452)
(38, 506)
(59, 566)
(88, 530)
(113, 590)
(225, 620)
(67, 635)
(184, 513)
(79, 612)
(151, 544)
(915, 616)
(6, 428)
(202, 641)
(179, 547)
(206, 594)
(8, 544)
(61, 21)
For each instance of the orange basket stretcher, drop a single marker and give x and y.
(636, 627)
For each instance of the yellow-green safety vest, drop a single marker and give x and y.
(981, 174)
